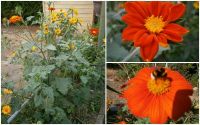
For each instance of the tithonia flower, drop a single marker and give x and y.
(158, 94)
(150, 24)
(34, 48)
(15, 19)
(94, 31)
(45, 29)
(51, 8)
(7, 91)
(73, 20)
(57, 31)
(6, 110)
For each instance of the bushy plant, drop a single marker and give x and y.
(64, 78)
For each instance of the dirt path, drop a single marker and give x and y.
(114, 82)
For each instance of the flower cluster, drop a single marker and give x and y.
(150, 24)
(57, 21)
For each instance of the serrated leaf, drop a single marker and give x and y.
(50, 47)
(63, 84)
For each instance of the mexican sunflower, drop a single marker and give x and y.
(150, 24)
(51, 8)
(158, 94)
(15, 19)
(94, 31)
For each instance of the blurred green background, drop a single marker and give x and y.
(187, 51)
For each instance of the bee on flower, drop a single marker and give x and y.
(6, 110)
(159, 94)
(7, 91)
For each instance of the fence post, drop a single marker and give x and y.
(102, 25)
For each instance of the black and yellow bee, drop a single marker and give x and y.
(159, 73)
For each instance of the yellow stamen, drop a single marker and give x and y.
(154, 24)
(159, 86)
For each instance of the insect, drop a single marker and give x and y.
(159, 73)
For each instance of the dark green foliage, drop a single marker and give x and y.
(28, 8)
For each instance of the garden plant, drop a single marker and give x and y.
(63, 69)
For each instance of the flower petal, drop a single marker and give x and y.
(162, 40)
(154, 6)
(131, 20)
(141, 41)
(176, 12)
(139, 34)
(172, 35)
(177, 28)
(148, 52)
(179, 92)
(157, 113)
(128, 33)
(165, 10)
(134, 7)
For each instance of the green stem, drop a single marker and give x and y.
(130, 55)
(110, 88)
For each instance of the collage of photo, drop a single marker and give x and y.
(100, 62)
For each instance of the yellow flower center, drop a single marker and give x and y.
(154, 24)
(159, 86)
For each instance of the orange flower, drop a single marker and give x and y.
(15, 19)
(150, 24)
(51, 8)
(94, 31)
(159, 94)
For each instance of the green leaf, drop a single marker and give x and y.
(48, 97)
(30, 18)
(50, 47)
(63, 84)
(38, 100)
(84, 79)
(42, 71)
(80, 58)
